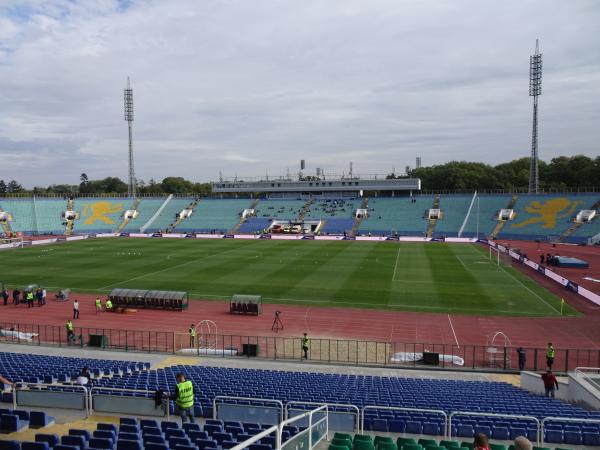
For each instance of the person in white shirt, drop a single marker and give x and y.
(75, 309)
(43, 296)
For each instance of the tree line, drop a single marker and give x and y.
(563, 172)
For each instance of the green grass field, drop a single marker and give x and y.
(409, 276)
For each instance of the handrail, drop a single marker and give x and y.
(142, 391)
(398, 408)
(270, 400)
(346, 405)
(86, 397)
(586, 377)
(563, 419)
(256, 437)
(504, 416)
(308, 429)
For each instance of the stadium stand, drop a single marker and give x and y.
(254, 224)
(99, 215)
(279, 209)
(214, 216)
(167, 215)
(396, 215)
(48, 213)
(22, 212)
(333, 209)
(454, 209)
(337, 226)
(485, 211)
(146, 210)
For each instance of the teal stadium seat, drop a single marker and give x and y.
(99, 215)
(282, 209)
(167, 215)
(48, 215)
(487, 208)
(397, 215)
(454, 210)
(146, 209)
(22, 212)
(542, 216)
(214, 215)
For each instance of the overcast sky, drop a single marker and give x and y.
(247, 87)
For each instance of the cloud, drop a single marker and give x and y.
(249, 87)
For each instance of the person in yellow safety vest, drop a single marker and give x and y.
(192, 333)
(550, 353)
(70, 334)
(98, 305)
(305, 345)
(184, 398)
(108, 305)
(30, 299)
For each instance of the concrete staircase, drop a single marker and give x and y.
(305, 209)
(433, 222)
(358, 220)
(243, 219)
(575, 225)
(70, 223)
(125, 220)
(191, 206)
(498, 228)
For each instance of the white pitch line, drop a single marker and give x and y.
(462, 262)
(453, 332)
(521, 283)
(169, 268)
(396, 265)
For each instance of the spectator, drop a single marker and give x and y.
(522, 358)
(550, 383)
(5, 381)
(75, 309)
(522, 443)
(550, 353)
(84, 377)
(5, 296)
(481, 442)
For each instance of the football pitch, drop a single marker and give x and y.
(432, 277)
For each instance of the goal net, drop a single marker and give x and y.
(500, 258)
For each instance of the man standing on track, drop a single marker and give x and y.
(75, 309)
(98, 305)
(305, 345)
(5, 296)
(522, 358)
(70, 334)
(192, 333)
(550, 353)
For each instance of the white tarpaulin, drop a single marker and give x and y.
(18, 335)
(412, 357)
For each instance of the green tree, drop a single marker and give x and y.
(14, 187)
(177, 185)
(3, 187)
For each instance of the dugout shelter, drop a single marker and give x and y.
(146, 299)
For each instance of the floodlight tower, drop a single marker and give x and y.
(128, 96)
(535, 90)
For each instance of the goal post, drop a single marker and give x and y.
(500, 258)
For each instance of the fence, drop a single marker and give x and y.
(338, 351)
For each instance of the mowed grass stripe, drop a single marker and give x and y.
(428, 277)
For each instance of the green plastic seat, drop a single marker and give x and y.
(363, 445)
(465, 444)
(379, 439)
(385, 445)
(562, 448)
(435, 447)
(363, 437)
(341, 443)
(412, 447)
(333, 446)
(541, 448)
(450, 444)
(427, 442)
(405, 441)
(498, 447)
(342, 436)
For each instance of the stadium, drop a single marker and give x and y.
(453, 306)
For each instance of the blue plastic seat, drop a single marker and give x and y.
(213, 428)
(34, 446)
(10, 423)
(128, 421)
(228, 444)
(191, 427)
(105, 434)
(107, 426)
(572, 437)
(178, 441)
(9, 445)
(100, 443)
(554, 436)
(75, 441)
(205, 443)
(155, 446)
(84, 433)
(185, 447)
(173, 432)
(51, 439)
(124, 444)
(164, 425)
(591, 438)
(413, 427)
(129, 428)
(220, 437)
(466, 431)
(38, 419)
(193, 435)
(66, 447)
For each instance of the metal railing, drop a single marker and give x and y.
(583, 373)
(561, 419)
(502, 416)
(105, 390)
(257, 437)
(309, 429)
(252, 399)
(338, 351)
(398, 408)
(36, 388)
(329, 405)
